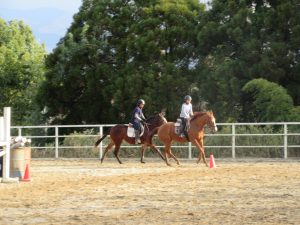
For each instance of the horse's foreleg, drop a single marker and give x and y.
(109, 146)
(144, 147)
(174, 157)
(153, 147)
(200, 147)
(116, 153)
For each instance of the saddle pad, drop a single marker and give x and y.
(130, 132)
(178, 126)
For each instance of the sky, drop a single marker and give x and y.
(48, 19)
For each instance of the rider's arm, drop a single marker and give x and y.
(136, 116)
(143, 117)
(191, 112)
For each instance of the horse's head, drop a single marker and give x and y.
(211, 122)
(157, 120)
(203, 118)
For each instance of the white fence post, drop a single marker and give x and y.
(6, 159)
(5, 128)
(2, 131)
(233, 140)
(56, 142)
(285, 140)
(190, 150)
(101, 144)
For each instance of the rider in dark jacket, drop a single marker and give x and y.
(138, 118)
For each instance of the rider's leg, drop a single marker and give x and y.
(137, 129)
(187, 126)
(137, 136)
(182, 133)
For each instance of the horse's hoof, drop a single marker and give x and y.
(168, 164)
(142, 162)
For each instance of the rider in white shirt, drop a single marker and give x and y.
(185, 115)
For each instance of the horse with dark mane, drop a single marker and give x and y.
(118, 133)
(166, 134)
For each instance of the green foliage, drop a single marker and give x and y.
(295, 114)
(244, 40)
(21, 70)
(266, 101)
(71, 142)
(116, 52)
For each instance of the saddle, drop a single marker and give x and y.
(178, 126)
(130, 131)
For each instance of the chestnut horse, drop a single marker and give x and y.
(166, 134)
(118, 133)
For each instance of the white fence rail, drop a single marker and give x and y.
(284, 130)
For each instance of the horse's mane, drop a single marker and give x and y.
(199, 114)
(151, 117)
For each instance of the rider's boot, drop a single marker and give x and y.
(137, 137)
(186, 135)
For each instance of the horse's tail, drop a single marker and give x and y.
(102, 138)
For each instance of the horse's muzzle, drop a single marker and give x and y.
(214, 129)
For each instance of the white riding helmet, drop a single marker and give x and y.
(187, 97)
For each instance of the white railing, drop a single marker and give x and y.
(283, 127)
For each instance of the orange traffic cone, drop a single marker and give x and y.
(212, 163)
(27, 174)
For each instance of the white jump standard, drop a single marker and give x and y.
(5, 123)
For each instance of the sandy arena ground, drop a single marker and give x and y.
(86, 192)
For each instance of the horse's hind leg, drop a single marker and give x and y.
(167, 152)
(116, 153)
(109, 146)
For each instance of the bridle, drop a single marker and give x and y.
(212, 124)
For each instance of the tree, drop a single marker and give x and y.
(116, 52)
(21, 70)
(266, 101)
(243, 40)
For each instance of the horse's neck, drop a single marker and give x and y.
(199, 123)
(152, 124)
